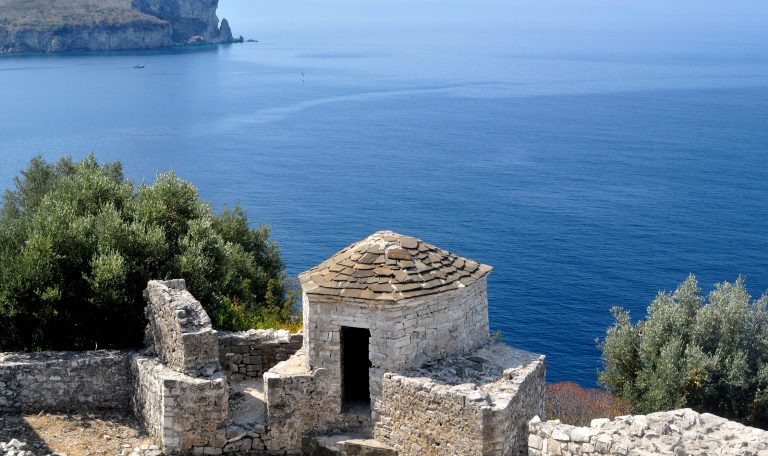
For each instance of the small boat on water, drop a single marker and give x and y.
(139, 67)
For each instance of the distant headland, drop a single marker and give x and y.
(33, 26)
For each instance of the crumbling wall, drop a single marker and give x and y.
(464, 405)
(251, 353)
(182, 412)
(180, 329)
(517, 397)
(180, 397)
(303, 402)
(419, 417)
(65, 381)
(678, 432)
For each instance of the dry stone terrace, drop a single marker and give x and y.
(387, 266)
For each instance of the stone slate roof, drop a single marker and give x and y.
(387, 266)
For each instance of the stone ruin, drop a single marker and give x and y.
(395, 359)
(397, 349)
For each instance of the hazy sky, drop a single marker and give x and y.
(253, 15)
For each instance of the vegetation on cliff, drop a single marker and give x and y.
(708, 353)
(107, 25)
(573, 404)
(62, 13)
(79, 244)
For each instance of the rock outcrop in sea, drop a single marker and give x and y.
(97, 25)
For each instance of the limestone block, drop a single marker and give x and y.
(181, 411)
(181, 330)
(675, 432)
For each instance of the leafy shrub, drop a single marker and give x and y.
(710, 354)
(79, 244)
(578, 406)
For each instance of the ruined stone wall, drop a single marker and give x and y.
(182, 412)
(180, 329)
(251, 353)
(65, 381)
(469, 404)
(516, 398)
(419, 417)
(403, 334)
(679, 432)
(303, 402)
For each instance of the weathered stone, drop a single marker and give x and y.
(65, 381)
(178, 409)
(398, 253)
(182, 333)
(682, 432)
(261, 350)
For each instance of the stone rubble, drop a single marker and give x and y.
(676, 433)
(16, 448)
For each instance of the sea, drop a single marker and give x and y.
(590, 167)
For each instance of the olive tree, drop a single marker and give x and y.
(709, 353)
(79, 242)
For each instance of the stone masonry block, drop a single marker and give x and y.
(181, 330)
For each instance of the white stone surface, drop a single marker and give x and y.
(679, 432)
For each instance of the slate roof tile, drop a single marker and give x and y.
(387, 266)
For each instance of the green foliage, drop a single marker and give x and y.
(67, 13)
(237, 316)
(79, 244)
(710, 354)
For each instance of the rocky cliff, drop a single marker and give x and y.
(105, 25)
(192, 20)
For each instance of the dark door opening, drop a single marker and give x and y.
(355, 391)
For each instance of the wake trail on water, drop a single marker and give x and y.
(275, 114)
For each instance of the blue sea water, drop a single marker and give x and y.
(590, 168)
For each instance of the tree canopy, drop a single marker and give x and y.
(708, 353)
(79, 243)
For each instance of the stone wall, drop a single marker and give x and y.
(180, 329)
(65, 381)
(679, 432)
(403, 334)
(462, 405)
(516, 397)
(182, 412)
(252, 353)
(303, 402)
(419, 417)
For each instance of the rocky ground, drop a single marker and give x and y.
(73, 435)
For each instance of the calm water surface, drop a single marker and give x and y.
(586, 176)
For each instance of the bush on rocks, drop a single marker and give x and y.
(707, 353)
